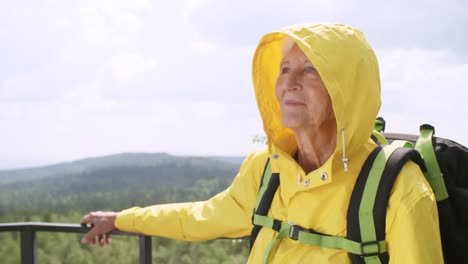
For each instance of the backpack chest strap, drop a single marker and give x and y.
(312, 238)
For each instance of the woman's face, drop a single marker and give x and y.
(303, 98)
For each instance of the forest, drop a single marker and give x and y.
(64, 192)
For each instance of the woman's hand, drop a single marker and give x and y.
(103, 223)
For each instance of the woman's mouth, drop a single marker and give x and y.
(293, 102)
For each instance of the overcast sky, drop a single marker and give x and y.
(94, 77)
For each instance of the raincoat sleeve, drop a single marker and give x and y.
(227, 214)
(414, 235)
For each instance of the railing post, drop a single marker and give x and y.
(145, 250)
(28, 246)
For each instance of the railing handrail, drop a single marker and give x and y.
(28, 238)
(54, 227)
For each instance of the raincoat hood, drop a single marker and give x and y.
(348, 68)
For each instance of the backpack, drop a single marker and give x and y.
(445, 166)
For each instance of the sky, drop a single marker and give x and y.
(86, 78)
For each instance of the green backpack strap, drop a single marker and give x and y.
(379, 138)
(361, 221)
(368, 205)
(264, 183)
(379, 128)
(379, 124)
(433, 174)
(268, 186)
(402, 144)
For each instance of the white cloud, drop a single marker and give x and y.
(126, 67)
(88, 126)
(81, 101)
(195, 4)
(203, 47)
(425, 86)
(406, 24)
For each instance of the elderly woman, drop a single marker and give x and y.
(318, 92)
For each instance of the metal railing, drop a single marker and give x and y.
(28, 238)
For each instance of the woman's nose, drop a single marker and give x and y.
(293, 82)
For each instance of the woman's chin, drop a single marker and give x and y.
(293, 123)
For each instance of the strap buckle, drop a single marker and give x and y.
(276, 225)
(294, 232)
(371, 248)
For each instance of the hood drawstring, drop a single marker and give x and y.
(344, 159)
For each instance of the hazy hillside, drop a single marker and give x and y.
(124, 160)
(113, 182)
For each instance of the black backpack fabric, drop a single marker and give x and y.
(453, 212)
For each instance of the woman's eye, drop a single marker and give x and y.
(284, 70)
(310, 69)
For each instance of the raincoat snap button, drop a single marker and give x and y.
(324, 176)
(306, 183)
(275, 156)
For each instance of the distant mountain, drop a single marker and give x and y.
(125, 161)
(113, 182)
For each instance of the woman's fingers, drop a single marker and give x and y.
(86, 219)
(90, 237)
(101, 239)
(103, 223)
(108, 238)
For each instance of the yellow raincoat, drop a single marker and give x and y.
(318, 200)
